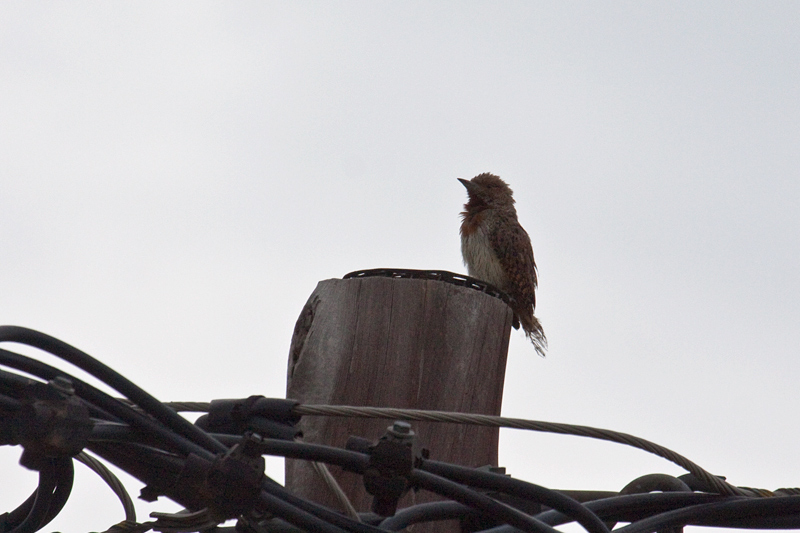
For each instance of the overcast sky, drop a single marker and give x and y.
(177, 177)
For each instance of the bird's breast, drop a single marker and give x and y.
(481, 261)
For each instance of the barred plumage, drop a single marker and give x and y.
(496, 249)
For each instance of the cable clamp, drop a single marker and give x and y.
(270, 417)
(52, 422)
(391, 460)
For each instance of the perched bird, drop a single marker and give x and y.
(497, 250)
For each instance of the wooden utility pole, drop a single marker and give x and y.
(406, 343)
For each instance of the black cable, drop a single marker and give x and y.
(154, 447)
(427, 512)
(145, 463)
(112, 481)
(349, 460)
(107, 375)
(65, 476)
(770, 522)
(332, 517)
(356, 462)
(99, 400)
(112, 432)
(63, 472)
(627, 505)
(46, 372)
(757, 512)
(151, 466)
(529, 491)
(633, 507)
(104, 435)
(296, 516)
(13, 518)
(41, 503)
(49, 499)
(8, 403)
(13, 382)
(492, 507)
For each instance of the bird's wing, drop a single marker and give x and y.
(513, 249)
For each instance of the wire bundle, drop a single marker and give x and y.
(215, 468)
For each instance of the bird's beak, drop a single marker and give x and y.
(472, 189)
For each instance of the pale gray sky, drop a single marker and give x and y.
(177, 177)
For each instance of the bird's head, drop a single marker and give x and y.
(487, 191)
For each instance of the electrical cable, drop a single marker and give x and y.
(323, 513)
(65, 472)
(755, 511)
(341, 496)
(349, 460)
(715, 482)
(633, 507)
(175, 458)
(427, 512)
(490, 506)
(8, 403)
(142, 462)
(661, 511)
(13, 382)
(522, 489)
(112, 481)
(354, 461)
(47, 373)
(64, 477)
(107, 375)
(112, 453)
(357, 462)
(108, 405)
(13, 518)
(41, 503)
(55, 485)
(296, 516)
(275, 499)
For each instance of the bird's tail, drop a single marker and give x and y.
(533, 330)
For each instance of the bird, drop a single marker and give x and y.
(496, 249)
